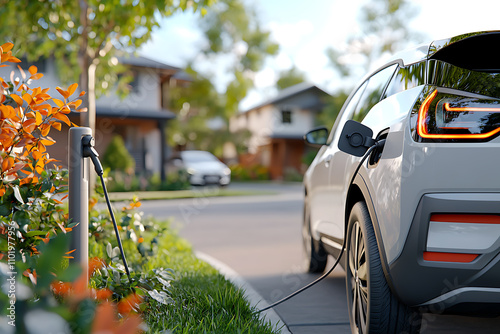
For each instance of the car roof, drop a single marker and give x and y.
(196, 153)
(427, 50)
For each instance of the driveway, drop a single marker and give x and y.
(259, 237)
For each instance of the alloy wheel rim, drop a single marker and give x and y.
(358, 278)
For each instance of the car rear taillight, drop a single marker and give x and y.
(443, 117)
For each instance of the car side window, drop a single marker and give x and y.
(406, 78)
(373, 92)
(347, 111)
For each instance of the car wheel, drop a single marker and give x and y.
(372, 306)
(315, 257)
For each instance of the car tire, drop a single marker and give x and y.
(315, 257)
(372, 306)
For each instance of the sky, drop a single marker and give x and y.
(304, 30)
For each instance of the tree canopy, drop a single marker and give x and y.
(83, 36)
(290, 77)
(233, 32)
(383, 28)
(236, 41)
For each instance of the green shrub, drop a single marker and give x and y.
(117, 157)
(244, 173)
(118, 181)
(308, 158)
(292, 175)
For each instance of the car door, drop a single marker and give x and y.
(332, 165)
(322, 196)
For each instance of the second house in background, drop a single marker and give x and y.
(278, 126)
(140, 118)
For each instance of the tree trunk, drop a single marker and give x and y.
(83, 61)
(87, 83)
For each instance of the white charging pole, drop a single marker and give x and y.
(78, 198)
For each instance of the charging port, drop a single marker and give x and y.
(377, 152)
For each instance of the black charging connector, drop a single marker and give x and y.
(90, 152)
(374, 145)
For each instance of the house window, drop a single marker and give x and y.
(134, 84)
(286, 116)
(40, 64)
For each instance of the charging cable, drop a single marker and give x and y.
(378, 144)
(90, 152)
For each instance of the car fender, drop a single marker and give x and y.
(359, 191)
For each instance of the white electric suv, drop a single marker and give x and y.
(421, 217)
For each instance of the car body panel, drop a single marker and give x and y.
(391, 170)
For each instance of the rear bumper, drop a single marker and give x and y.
(445, 264)
(200, 179)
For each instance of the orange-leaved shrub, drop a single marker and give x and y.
(27, 116)
(33, 219)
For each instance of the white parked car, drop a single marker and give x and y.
(204, 168)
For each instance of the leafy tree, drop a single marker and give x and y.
(235, 38)
(83, 36)
(384, 28)
(290, 77)
(331, 110)
(234, 32)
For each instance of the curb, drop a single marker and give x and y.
(253, 297)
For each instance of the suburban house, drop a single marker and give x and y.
(278, 126)
(140, 118)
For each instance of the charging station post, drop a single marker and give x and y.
(78, 199)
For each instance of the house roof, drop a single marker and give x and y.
(288, 93)
(141, 61)
(162, 114)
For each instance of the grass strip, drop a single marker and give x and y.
(180, 194)
(201, 299)
(206, 303)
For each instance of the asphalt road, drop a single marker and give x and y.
(259, 238)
